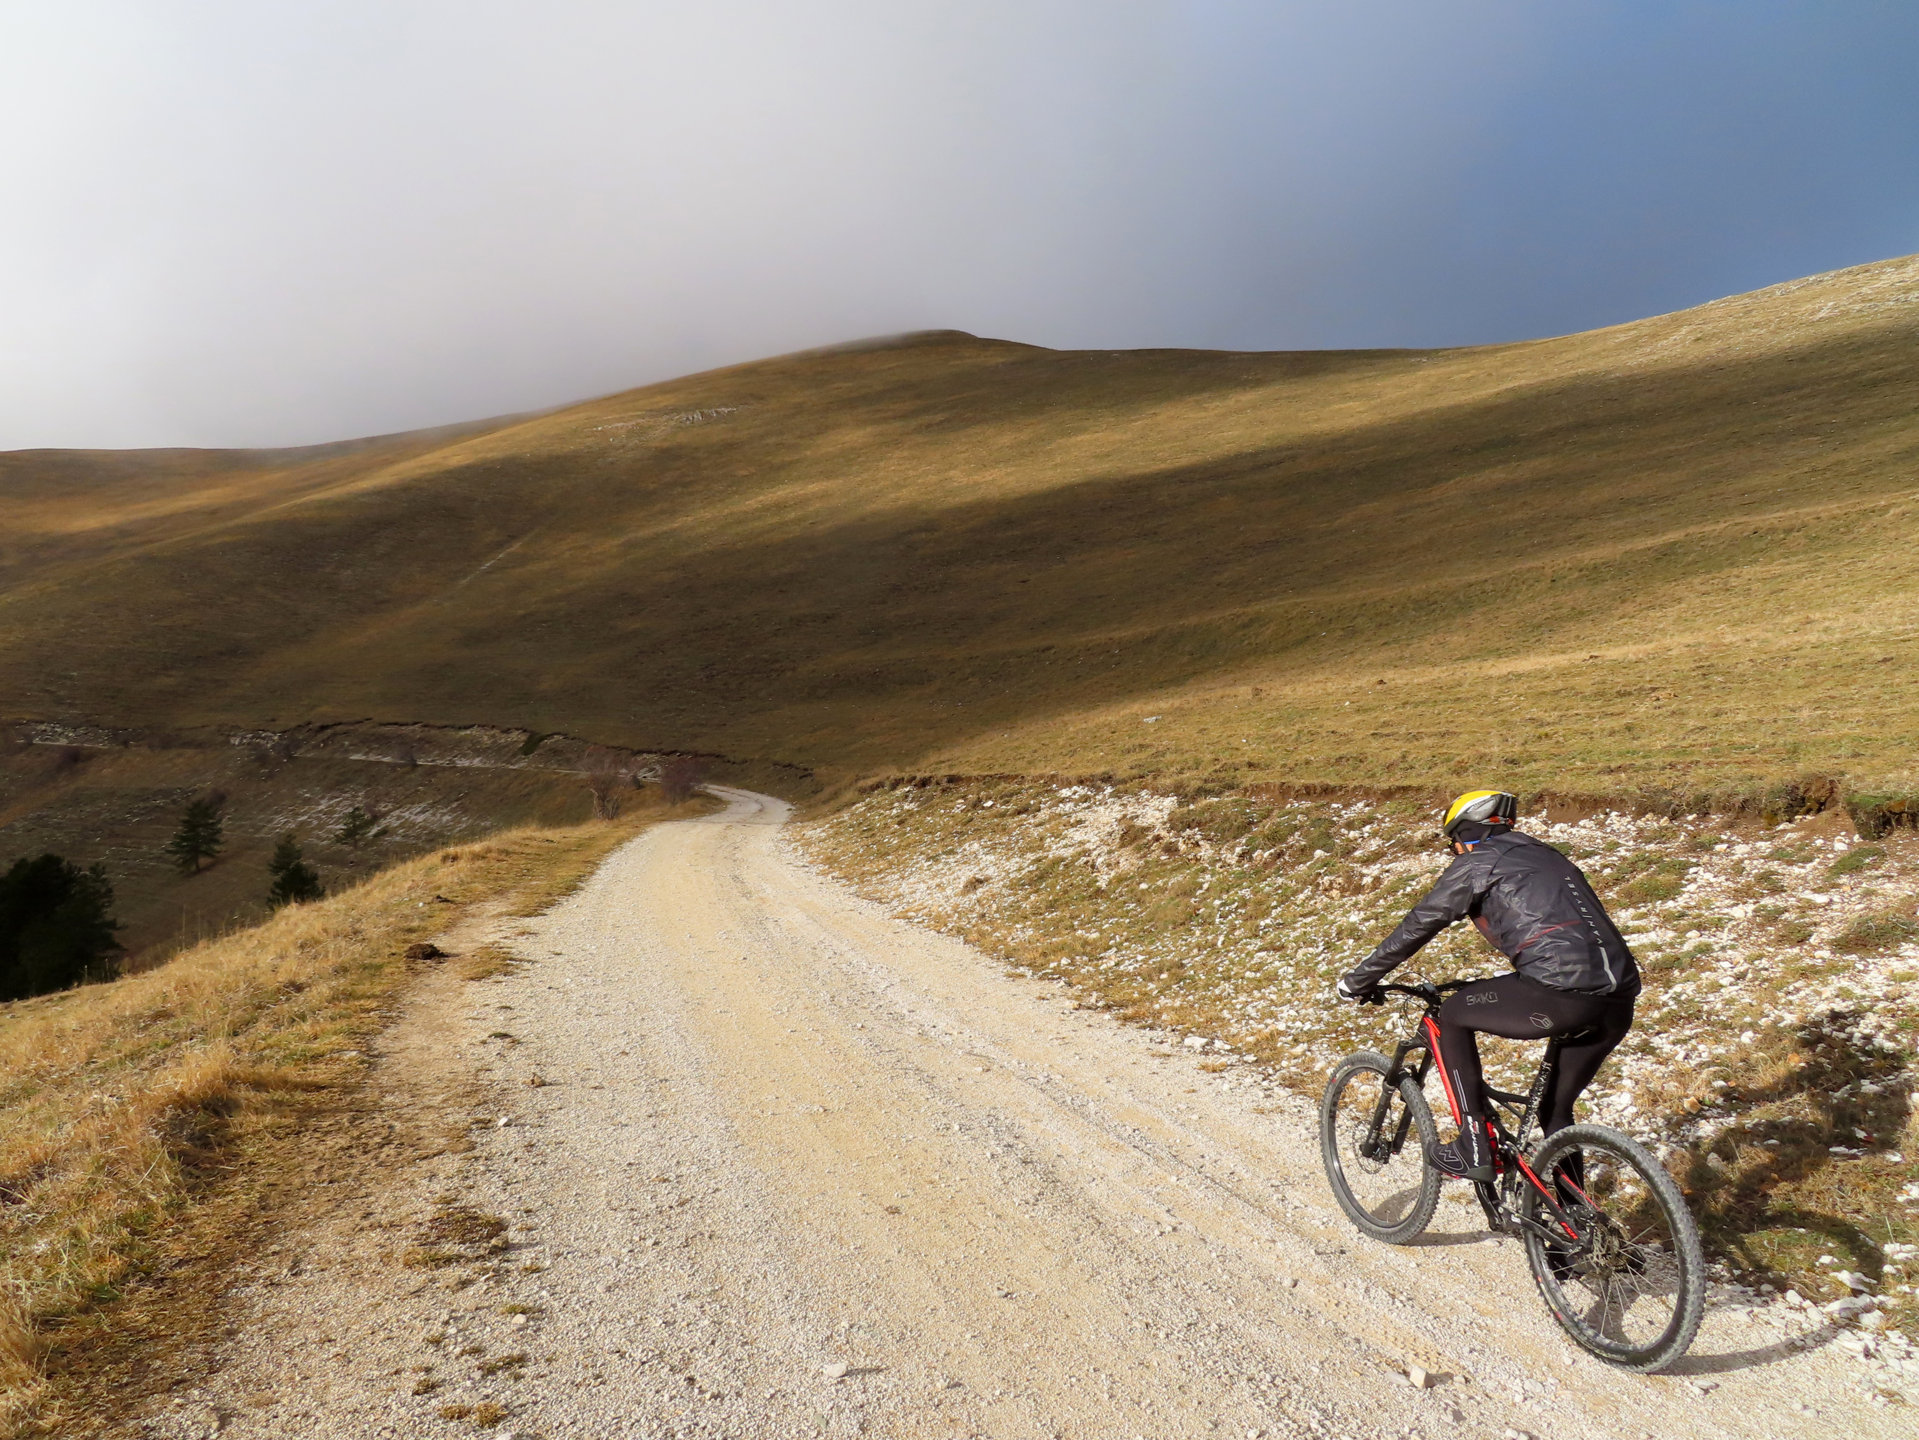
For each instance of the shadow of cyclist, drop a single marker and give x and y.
(1834, 1083)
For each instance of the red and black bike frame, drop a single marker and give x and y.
(1498, 1199)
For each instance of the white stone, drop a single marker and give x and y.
(836, 1371)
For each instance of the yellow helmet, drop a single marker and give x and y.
(1488, 807)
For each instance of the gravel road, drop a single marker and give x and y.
(775, 1164)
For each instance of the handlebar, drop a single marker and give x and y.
(1429, 993)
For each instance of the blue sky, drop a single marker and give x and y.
(236, 224)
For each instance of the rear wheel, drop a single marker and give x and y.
(1377, 1162)
(1630, 1285)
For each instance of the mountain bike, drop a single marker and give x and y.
(1612, 1247)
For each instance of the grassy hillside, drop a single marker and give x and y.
(1673, 554)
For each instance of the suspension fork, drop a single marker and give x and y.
(1396, 1072)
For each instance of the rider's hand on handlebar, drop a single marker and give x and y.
(1364, 994)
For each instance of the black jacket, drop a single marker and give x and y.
(1531, 902)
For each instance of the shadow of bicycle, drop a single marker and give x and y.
(1697, 1364)
(1433, 1239)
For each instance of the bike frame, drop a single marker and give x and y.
(1498, 1198)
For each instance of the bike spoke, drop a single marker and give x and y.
(1602, 1323)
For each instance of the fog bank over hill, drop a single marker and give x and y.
(239, 226)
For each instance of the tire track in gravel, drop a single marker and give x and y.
(780, 1135)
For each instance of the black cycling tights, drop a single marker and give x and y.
(1522, 1009)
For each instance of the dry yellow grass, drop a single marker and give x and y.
(1670, 555)
(126, 1103)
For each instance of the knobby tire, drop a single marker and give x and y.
(1391, 1199)
(1645, 1253)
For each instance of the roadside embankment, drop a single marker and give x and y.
(143, 1117)
(1772, 1062)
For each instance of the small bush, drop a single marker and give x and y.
(1857, 858)
(607, 772)
(66, 760)
(1877, 934)
(199, 836)
(681, 778)
(359, 826)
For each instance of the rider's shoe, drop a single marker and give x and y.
(1470, 1157)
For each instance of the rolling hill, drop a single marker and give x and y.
(1675, 555)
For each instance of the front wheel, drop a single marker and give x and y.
(1373, 1141)
(1629, 1284)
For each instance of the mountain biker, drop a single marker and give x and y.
(1573, 975)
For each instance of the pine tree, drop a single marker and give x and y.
(56, 927)
(199, 837)
(294, 881)
(359, 826)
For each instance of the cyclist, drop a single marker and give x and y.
(1573, 973)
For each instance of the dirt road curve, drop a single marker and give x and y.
(780, 1133)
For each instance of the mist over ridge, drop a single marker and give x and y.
(236, 227)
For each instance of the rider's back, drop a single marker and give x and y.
(1531, 902)
(1539, 909)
